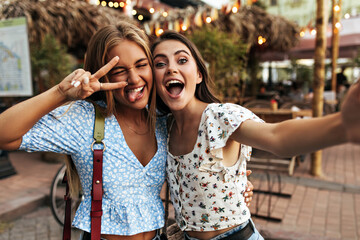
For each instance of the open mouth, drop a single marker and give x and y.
(174, 87)
(135, 94)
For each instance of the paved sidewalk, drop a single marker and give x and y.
(319, 208)
(29, 188)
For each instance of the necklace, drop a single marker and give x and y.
(133, 130)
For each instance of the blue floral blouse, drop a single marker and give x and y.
(131, 200)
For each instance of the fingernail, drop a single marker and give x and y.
(77, 84)
(72, 82)
(247, 199)
(86, 80)
(248, 190)
(246, 194)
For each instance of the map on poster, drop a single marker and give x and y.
(15, 66)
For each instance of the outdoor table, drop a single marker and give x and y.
(273, 116)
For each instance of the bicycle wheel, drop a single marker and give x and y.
(57, 193)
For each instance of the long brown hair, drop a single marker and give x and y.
(96, 56)
(203, 90)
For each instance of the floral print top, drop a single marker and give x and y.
(131, 199)
(206, 195)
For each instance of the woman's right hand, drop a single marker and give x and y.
(350, 111)
(80, 84)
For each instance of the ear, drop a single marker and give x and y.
(199, 78)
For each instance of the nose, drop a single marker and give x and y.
(171, 69)
(133, 77)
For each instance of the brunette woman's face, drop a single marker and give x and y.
(133, 67)
(176, 74)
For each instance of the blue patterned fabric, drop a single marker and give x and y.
(131, 200)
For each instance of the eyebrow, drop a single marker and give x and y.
(176, 53)
(122, 67)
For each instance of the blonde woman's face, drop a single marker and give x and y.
(134, 68)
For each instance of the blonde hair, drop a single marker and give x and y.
(72, 177)
(96, 56)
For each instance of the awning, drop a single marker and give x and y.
(349, 44)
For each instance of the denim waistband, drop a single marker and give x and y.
(222, 235)
(87, 236)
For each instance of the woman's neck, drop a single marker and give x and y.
(135, 120)
(189, 115)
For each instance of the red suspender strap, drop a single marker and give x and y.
(67, 217)
(97, 191)
(96, 202)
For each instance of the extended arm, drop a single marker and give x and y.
(296, 136)
(293, 137)
(19, 119)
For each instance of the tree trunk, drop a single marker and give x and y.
(319, 76)
(334, 43)
(253, 66)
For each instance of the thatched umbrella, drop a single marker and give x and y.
(71, 22)
(252, 22)
(249, 23)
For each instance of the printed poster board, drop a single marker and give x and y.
(15, 66)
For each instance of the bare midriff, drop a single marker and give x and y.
(207, 235)
(139, 236)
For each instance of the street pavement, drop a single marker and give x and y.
(325, 207)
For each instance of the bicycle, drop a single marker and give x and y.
(57, 193)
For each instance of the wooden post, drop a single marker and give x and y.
(336, 13)
(319, 76)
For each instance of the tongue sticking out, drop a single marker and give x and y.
(132, 95)
(175, 89)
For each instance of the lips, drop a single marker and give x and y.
(174, 87)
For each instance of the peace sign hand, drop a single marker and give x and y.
(80, 84)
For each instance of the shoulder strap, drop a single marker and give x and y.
(67, 217)
(96, 193)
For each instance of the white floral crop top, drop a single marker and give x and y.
(208, 196)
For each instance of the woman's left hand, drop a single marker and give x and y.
(249, 190)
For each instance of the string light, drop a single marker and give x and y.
(184, 28)
(261, 40)
(128, 2)
(140, 17)
(122, 4)
(165, 14)
(116, 5)
(313, 31)
(208, 19)
(151, 10)
(111, 4)
(302, 34)
(234, 9)
(97, 2)
(347, 15)
(338, 25)
(337, 8)
(134, 12)
(159, 31)
(103, 3)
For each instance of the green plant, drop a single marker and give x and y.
(50, 63)
(226, 55)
